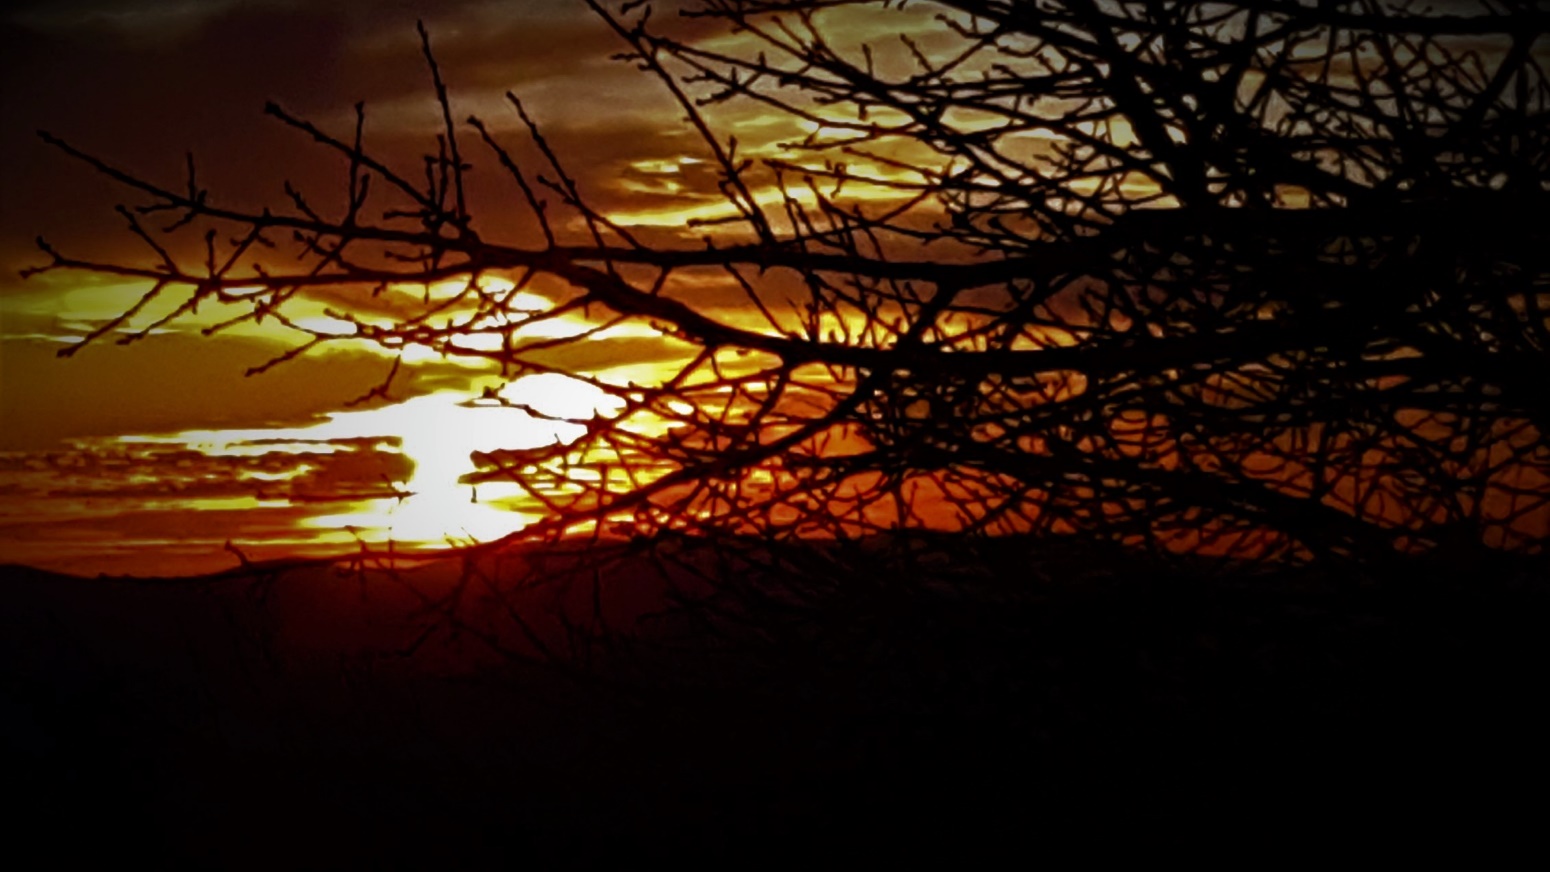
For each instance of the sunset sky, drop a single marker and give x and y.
(150, 456)
(92, 472)
(141, 83)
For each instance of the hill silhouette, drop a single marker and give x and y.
(321, 716)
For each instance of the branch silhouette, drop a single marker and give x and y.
(1257, 281)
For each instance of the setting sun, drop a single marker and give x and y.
(438, 434)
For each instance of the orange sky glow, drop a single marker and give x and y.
(161, 449)
(149, 455)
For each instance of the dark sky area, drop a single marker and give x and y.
(143, 82)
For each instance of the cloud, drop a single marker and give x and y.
(176, 382)
(140, 82)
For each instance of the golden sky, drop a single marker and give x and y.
(144, 82)
(159, 424)
(140, 83)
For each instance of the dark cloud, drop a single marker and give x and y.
(175, 382)
(141, 83)
(602, 354)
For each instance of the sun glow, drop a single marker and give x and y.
(439, 433)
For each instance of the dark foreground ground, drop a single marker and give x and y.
(313, 718)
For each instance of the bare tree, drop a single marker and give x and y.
(1264, 281)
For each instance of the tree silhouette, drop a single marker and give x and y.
(1260, 281)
